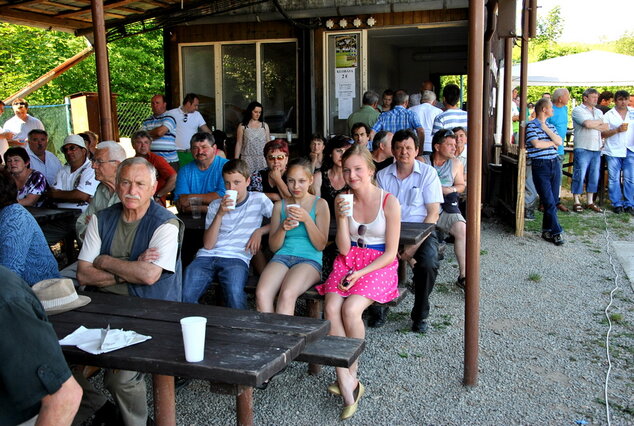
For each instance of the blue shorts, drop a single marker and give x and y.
(290, 261)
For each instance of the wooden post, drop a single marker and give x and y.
(164, 400)
(103, 73)
(475, 95)
(244, 404)
(315, 308)
(521, 161)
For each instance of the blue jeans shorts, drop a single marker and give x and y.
(290, 261)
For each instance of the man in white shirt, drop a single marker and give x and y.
(619, 153)
(21, 123)
(75, 182)
(418, 189)
(42, 160)
(188, 121)
(427, 113)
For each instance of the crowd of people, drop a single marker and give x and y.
(262, 212)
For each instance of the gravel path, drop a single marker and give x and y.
(542, 350)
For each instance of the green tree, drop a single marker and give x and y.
(550, 27)
(625, 44)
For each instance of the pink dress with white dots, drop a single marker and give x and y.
(380, 285)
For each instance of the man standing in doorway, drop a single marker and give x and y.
(162, 129)
(368, 113)
(427, 113)
(399, 117)
(188, 121)
(452, 116)
(588, 124)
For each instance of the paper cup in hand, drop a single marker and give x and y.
(288, 213)
(348, 198)
(194, 337)
(233, 195)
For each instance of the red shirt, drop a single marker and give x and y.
(163, 169)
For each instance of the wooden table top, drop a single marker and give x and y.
(242, 347)
(45, 214)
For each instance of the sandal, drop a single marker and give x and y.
(594, 208)
(578, 208)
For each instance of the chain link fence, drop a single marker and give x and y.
(130, 115)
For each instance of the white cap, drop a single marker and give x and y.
(75, 140)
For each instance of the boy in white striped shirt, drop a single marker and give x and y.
(232, 237)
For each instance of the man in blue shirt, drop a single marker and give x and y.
(201, 178)
(559, 119)
(399, 118)
(542, 141)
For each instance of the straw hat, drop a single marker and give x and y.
(58, 295)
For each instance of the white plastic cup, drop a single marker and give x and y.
(194, 203)
(194, 337)
(233, 195)
(288, 214)
(349, 199)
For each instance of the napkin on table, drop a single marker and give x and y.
(89, 339)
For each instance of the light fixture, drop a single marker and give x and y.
(356, 22)
(343, 23)
(330, 24)
(371, 21)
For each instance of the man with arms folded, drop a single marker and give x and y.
(233, 233)
(201, 178)
(417, 187)
(162, 129)
(131, 248)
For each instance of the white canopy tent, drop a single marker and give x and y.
(588, 69)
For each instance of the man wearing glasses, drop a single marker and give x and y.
(188, 121)
(162, 128)
(21, 124)
(201, 178)
(75, 182)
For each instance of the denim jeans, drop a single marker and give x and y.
(618, 197)
(586, 164)
(547, 176)
(231, 274)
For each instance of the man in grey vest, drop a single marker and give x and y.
(131, 248)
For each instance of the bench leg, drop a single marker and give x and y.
(315, 308)
(164, 400)
(402, 273)
(244, 406)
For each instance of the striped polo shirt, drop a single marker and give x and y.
(534, 132)
(165, 146)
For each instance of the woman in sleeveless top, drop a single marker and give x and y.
(251, 136)
(366, 270)
(299, 233)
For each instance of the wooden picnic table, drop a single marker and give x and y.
(243, 349)
(45, 214)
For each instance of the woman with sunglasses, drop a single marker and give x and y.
(251, 136)
(299, 233)
(366, 270)
(272, 179)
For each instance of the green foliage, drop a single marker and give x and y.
(550, 27)
(625, 44)
(136, 64)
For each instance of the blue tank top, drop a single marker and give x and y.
(297, 242)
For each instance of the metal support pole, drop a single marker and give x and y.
(472, 299)
(521, 160)
(103, 73)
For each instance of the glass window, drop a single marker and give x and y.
(239, 86)
(279, 86)
(198, 78)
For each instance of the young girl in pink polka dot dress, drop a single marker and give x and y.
(365, 271)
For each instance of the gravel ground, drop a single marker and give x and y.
(542, 350)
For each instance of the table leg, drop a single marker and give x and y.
(244, 405)
(402, 273)
(315, 308)
(164, 400)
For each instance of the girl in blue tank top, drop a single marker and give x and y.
(299, 233)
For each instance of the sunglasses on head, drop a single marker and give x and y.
(185, 118)
(361, 231)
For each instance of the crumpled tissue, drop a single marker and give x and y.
(90, 339)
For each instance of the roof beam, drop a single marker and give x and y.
(84, 10)
(31, 19)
